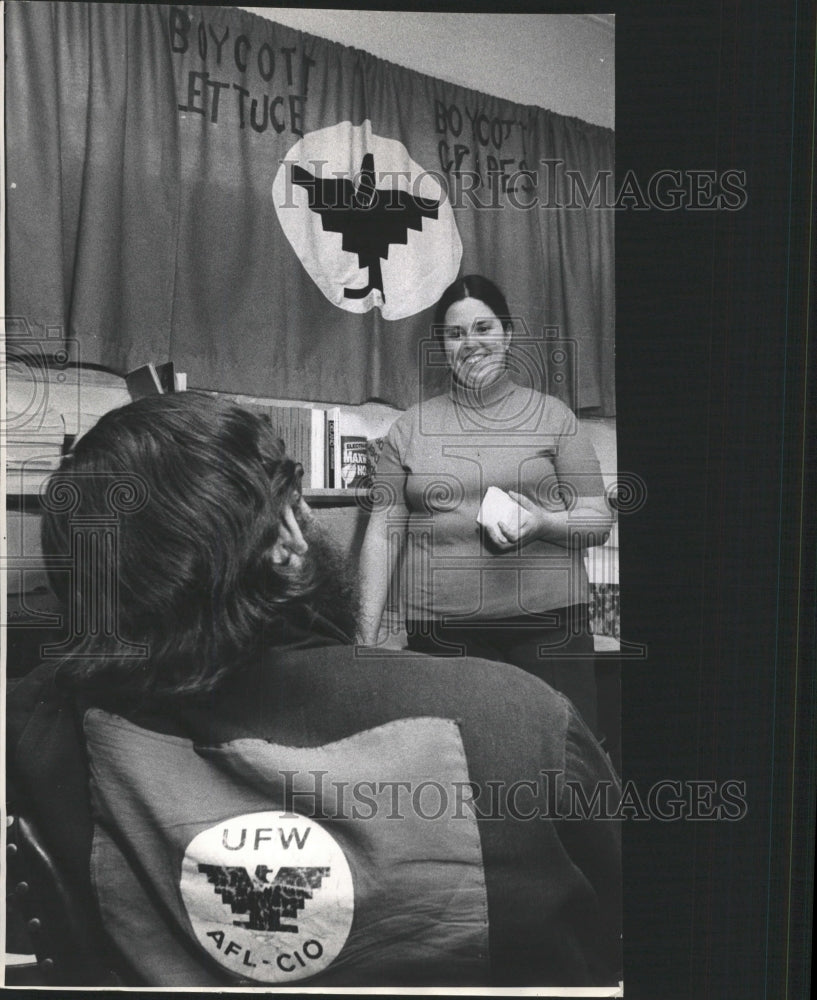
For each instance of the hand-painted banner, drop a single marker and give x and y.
(278, 213)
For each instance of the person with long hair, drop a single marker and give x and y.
(511, 588)
(212, 565)
(241, 796)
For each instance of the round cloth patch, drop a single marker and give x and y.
(269, 895)
(371, 226)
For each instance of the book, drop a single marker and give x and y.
(150, 379)
(166, 375)
(312, 436)
(39, 446)
(278, 418)
(46, 410)
(143, 381)
(302, 419)
(356, 467)
(302, 433)
(316, 469)
(332, 457)
(37, 459)
(26, 480)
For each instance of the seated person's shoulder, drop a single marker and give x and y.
(488, 688)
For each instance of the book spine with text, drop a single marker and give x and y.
(317, 476)
(333, 447)
(356, 467)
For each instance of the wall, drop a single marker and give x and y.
(562, 62)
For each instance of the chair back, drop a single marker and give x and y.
(66, 935)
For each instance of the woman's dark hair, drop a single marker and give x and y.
(193, 490)
(473, 286)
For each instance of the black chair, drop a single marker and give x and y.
(64, 932)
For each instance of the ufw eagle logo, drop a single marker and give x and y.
(266, 903)
(370, 218)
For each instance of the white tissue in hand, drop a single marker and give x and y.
(498, 506)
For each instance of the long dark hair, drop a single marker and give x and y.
(194, 580)
(473, 286)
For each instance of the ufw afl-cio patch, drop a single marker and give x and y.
(269, 895)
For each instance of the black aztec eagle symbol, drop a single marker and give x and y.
(370, 218)
(265, 902)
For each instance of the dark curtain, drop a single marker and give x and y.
(92, 173)
(152, 210)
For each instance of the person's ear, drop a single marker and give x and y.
(290, 546)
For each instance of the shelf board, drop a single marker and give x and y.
(25, 495)
(336, 498)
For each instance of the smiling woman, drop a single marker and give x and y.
(514, 587)
(476, 339)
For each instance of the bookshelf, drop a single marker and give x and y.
(48, 407)
(364, 423)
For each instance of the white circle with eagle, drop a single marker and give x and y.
(269, 895)
(372, 227)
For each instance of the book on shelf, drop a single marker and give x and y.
(26, 480)
(35, 448)
(144, 381)
(150, 380)
(46, 410)
(37, 461)
(332, 451)
(302, 429)
(331, 444)
(356, 466)
(308, 443)
(166, 374)
(30, 460)
(317, 474)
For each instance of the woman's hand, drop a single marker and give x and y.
(524, 528)
(585, 525)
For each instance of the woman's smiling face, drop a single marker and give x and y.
(475, 342)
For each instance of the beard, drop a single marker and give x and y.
(333, 595)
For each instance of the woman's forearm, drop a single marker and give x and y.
(581, 527)
(584, 525)
(378, 556)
